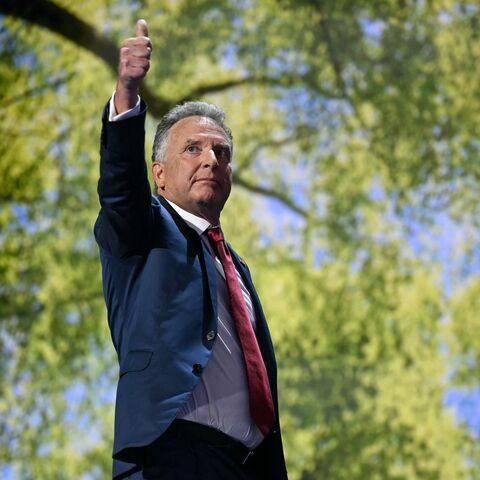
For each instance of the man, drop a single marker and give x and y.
(196, 397)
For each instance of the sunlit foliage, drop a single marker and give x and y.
(357, 168)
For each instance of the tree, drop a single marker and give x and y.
(355, 143)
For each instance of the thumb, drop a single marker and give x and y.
(141, 30)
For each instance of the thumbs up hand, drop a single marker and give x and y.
(133, 66)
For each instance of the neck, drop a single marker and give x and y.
(212, 216)
(204, 210)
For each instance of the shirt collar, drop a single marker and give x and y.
(199, 224)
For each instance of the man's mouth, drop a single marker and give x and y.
(206, 179)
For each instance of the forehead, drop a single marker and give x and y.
(201, 127)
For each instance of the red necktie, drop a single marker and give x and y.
(260, 395)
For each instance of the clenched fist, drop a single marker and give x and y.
(133, 66)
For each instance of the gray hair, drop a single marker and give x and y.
(179, 112)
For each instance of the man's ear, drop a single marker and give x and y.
(158, 173)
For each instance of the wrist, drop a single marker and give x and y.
(125, 98)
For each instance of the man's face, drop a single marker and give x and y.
(197, 173)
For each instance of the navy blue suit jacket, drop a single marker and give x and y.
(159, 285)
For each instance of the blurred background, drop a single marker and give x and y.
(357, 172)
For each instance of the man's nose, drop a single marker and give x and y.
(210, 158)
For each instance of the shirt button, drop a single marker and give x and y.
(211, 335)
(197, 369)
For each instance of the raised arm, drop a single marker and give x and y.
(123, 224)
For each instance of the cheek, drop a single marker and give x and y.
(187, 169)
(227, 171)
(180, 176)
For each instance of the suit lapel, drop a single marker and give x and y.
(204, 256)
(188, 232)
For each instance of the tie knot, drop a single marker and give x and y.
(215, 234)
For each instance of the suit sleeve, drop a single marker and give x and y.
(124, 223)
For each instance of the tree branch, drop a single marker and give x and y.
(30, 92)
(284, 81)
(270, 192)
(337, 68)
(47, 14)
(217, 87)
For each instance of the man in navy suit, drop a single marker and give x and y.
(187, 405)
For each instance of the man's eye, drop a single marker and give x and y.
(192, 149)
(222, 152)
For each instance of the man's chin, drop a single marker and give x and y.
(210, 193)
(212, 203)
